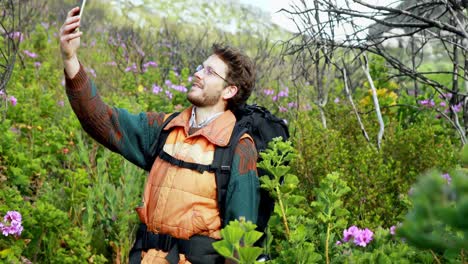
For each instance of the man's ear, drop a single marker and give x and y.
(229, 92)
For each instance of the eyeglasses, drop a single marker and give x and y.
(209, 71)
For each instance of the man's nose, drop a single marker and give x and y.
(199, 74)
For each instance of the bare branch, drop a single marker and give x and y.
(375, 99)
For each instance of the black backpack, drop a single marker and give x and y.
(262, 126)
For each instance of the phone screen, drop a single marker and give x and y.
(82, 5)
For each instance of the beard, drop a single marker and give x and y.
(203, 100)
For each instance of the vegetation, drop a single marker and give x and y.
(344, 194)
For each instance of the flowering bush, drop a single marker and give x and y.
(11, 224)
(360, 237)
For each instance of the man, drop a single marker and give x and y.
(180, 204)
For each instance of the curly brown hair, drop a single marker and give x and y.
(241, 73)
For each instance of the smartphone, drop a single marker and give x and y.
(82, 5)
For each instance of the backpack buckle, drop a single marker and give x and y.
(225, 168)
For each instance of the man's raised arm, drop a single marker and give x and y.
(130, 135)
(70, 42)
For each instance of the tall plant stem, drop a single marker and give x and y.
(283, 214)
(326, 243)
(435, 257)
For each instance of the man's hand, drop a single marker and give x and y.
(70, 42)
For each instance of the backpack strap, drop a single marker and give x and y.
(160, 136)
(222, 162)
(185, 164)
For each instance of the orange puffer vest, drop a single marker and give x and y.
(182, 202)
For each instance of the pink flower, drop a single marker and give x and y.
(363, 237)
(17, 36)
(30, 54)
(11, 224)
(427, 103)
(12, 216)
(350, 233)
(392, 230)
(292, 105)
(269, 92)
(13, 100)
(132, 68)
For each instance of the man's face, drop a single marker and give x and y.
(209, 84)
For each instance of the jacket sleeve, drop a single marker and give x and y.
(243, 192)
(128, 134)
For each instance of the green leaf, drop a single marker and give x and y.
(224, 248)
(232, 234)
(249, 254)
(5, 252)
(251, 237)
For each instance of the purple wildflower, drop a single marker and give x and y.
(60, 103)
(338, 243)
(16, 36)
(37, 64)
(13, 100)
(150, 64)
(443, 104)
(337, 100)
(11, 224)
(350, 233)
(112, 63)
(169, 94)
(447, 96)
(156, 89)
(30, 54)
(284, 93)
(269, 92)
(392, 230)
(132, 68)
(190, 79)
(307, 107)
(283, 109)
(447, 177)
(12, 216)
(180, 88)
(91, 71)
(427, 103)
(363, 237)
(16, 131)
(457, 108)
(168, 82)
(292, 105)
